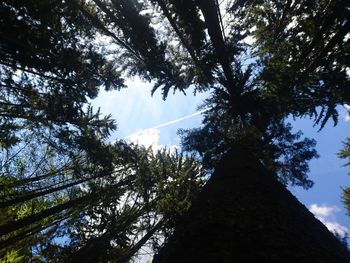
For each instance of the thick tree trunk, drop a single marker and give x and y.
(245, 215)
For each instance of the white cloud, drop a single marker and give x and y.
(335, 227)
(326, 214)
(323, 210)
(149, 138)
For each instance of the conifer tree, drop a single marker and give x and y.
(57, 168)
(52, 62)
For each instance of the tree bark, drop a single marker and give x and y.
(245, 215)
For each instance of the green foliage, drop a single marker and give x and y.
(60, 179)
(302, 55)
(345, 154)
(156, 182)
(100, 210)
(12, 256)
(51, 140)
(277, 147)
(289, 70)
(49, 68)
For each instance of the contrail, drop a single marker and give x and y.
(168, 123)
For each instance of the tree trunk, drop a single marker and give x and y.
(245, 215)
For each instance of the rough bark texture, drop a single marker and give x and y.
(245, 215)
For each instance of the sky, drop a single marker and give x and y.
(154, 122)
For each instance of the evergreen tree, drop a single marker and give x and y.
(57, 169)
(49, 69)
(296, 66)
(48, 196)
(288, 70)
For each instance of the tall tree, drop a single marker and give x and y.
(57, 170)
(296, 66)
(48, 197)
(248, 135)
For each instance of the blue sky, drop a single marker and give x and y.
(135, 110)
(328, 172)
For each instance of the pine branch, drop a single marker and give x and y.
(99, 25)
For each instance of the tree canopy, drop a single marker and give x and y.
(59, 174)
(263, 61)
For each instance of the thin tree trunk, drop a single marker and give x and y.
(31, 219)
(35, 194)
(31, 232)
(55, 210)
(212, 22)
(141, 242)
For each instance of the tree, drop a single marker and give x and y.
(284, 81)
(46, 79)
(47, 75)
(57, 168)
(295, 67)
(49, 196)
(49, 69)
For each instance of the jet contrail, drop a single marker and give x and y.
(169, 122)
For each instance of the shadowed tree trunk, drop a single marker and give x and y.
(245, 215)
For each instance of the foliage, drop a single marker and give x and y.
(277, 147)
(288, 70)
(63, 207)
(58, 174)
(60, 178)
(345, 154)
(49, 68)
(302, 49)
